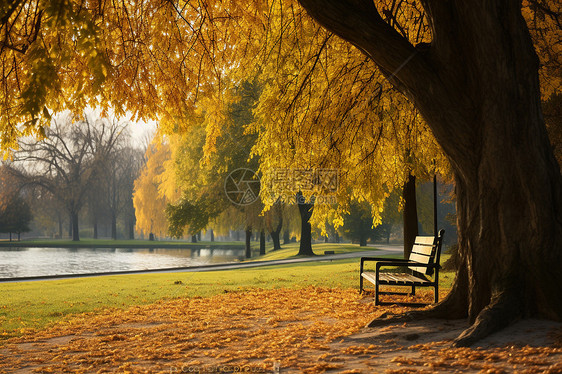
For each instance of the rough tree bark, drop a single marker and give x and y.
(305, 210)
(477, 87)
(410, 214)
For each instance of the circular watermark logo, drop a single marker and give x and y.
(242, 186)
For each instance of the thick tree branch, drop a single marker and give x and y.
(359, 22)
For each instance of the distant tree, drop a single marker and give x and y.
(358, 223)
(15, 213)
(15, 217)
(274, 224)
(117, 175)
(391, 217)
(67, 162)
(148, 198)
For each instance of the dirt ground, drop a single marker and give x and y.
(311, 330)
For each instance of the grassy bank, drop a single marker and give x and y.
(28, 305)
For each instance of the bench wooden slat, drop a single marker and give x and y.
(427, 240)
(420, 258)
(400, 278)
(370, 276)
(394, 278)
(427, 250)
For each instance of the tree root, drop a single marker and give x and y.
(503, 310)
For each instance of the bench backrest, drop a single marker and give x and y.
(426, 250)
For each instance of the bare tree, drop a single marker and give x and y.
(120, 169)
(69, 160)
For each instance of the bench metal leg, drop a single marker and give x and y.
(377, 294)
(413, 291)
(360, 284)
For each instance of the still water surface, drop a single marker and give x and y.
(28, 262)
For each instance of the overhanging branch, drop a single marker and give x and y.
(359, 22)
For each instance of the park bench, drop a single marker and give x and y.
(422, 263)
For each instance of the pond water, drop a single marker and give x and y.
(29, 262)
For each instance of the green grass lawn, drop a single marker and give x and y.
(27, 305)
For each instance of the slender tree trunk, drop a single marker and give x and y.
(410, 214)
(113, 226)
(194, 238)
(305, 210)
(212, 235)
(286, 237)
(75, 228)
(276, 232)
(477, 87)
(60, 226)
(248, 242)
(262, 242)
(131, 230)
(95, 229)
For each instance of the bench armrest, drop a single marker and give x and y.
(382, 259)
(365, 259)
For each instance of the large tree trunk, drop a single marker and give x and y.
(477, 87)
(305, 210)
(410, 214)
(275, 238)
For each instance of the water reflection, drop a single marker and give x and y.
(26, 262)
